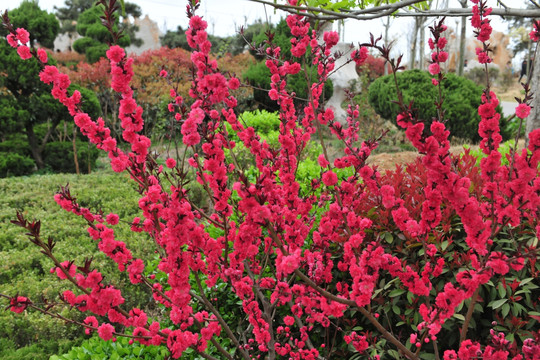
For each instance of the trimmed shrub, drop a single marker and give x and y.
(16, 144)
(478, 75)
(13, 164)
(58, 156)
(461, 100)
(258, 75)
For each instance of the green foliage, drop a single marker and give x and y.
(461, 100)
(38, 119)
(12, 164)
(259, 75)
(42, 26)
(25, 271)
(233, 45)
(282, 38)
(24, 99)
(263, 122)
(37, 351)
(70, 13)
(58, 156)
(478, 74)
(17, 144)
(506, 149)
(94, 35)
(69, 18)
(97, 349)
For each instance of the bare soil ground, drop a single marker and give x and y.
(388, 161)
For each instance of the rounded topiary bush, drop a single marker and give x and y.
(461, 100)
(13, 164)
(16, 144)
(58, 156)
(258, 75)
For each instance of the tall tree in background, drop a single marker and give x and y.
(462, 39)
(26, 101)
(43, 27)
(84, 18)
(69, 14)
(234, 45)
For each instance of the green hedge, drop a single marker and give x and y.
(58, 156)
(13, 164)
(461, 100)
(25, 271)
(258, 75)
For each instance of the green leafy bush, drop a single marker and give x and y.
(506, 148)
(478, 74)
(16, 144)
(13, 164)
(258, 75)
(461, 100)
(97, 349)
(38, 351)
(58, 156)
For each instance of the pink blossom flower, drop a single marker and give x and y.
(105, 331)
(24, 52)
(69, 267)
(163, 73)
(329, 178)
(42, 55)
(12, 41)
(112, 219)
(483, 57)
(115, 54)
(523, 110)
(91, 321)
(534, 35)
(442, 56)
(331, 38)
(322, 161)
(18, 304)
(441, 44)
(288, 320)
(23, 35)
(434, 69)
(360, 56)
(234, 83)
(170, 163)
(485, 32)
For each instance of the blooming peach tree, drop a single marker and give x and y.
(350, 261)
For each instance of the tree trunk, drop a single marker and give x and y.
(413, 43)
(462, 40)
(533, 121)
(35, 148)
(386, 40)
(75, 158)
(421, 50)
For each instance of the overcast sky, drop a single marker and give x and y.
(226, 16)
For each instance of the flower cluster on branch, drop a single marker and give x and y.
(299, 259)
